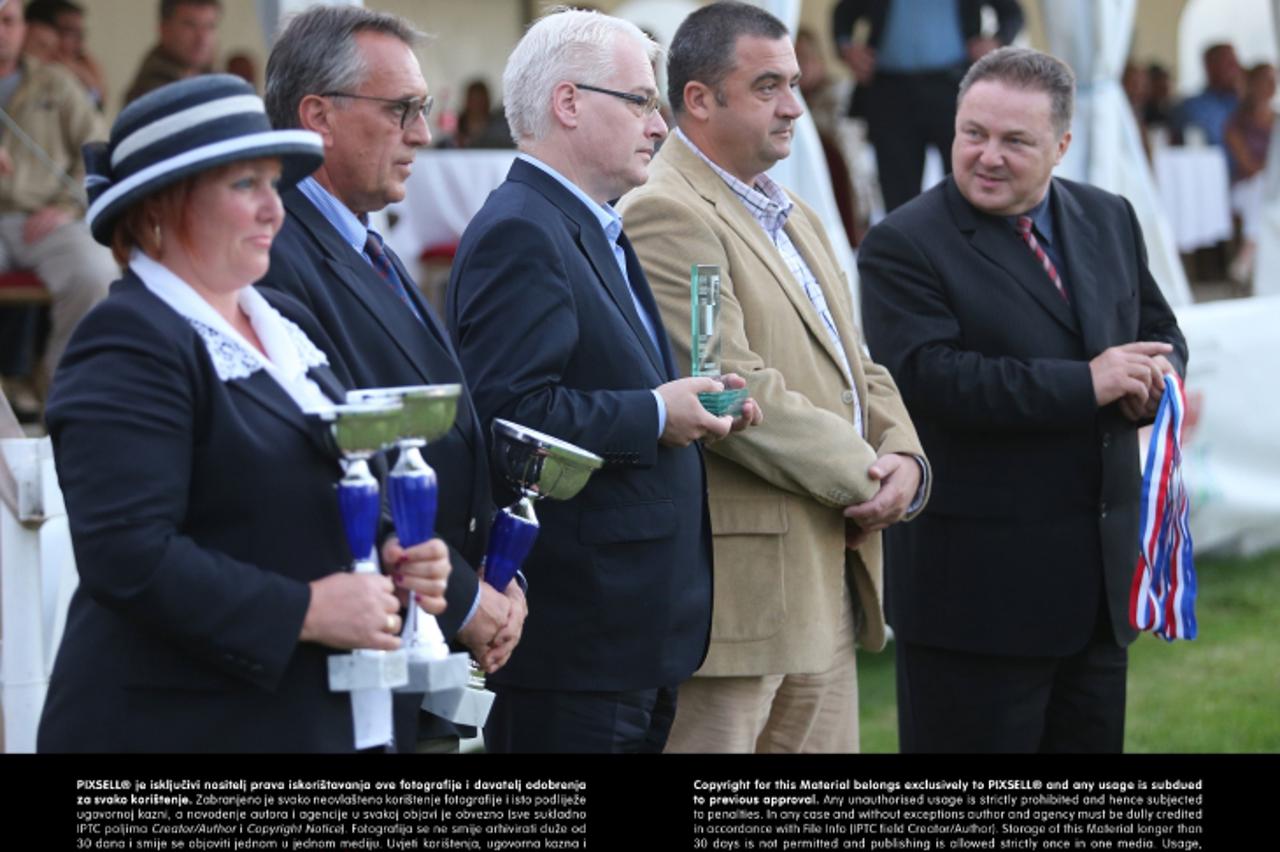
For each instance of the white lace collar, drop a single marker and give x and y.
(290, 353)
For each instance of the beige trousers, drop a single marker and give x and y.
(773, 714)
(74, 268)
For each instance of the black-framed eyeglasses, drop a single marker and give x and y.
(648, 103)
(407, 108)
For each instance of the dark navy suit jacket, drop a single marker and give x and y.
(620, 577)
(199, 511)
(384, 345)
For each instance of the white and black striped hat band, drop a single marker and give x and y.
(182, 129)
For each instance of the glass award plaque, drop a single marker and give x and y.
(704, 353)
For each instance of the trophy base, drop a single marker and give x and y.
(368, 670)
(724, 402)
(463, 706)
(428, 674)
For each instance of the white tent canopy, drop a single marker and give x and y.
(1093, 37)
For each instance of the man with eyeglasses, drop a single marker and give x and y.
(798, 504)
(557, 330)
(350, 74)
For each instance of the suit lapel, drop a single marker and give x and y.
(999, 243)
(424, 310)
(364, 284)
(636, 273)
(734, 213)
(1077, 234)
(595, 247)
(264, 391)
(372, 293)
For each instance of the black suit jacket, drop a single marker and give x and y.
(384, 345)
(1034, 513)
(199, 511)
(620, 576)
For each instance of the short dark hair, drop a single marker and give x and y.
(168, 7)
(45, 11)
(317, 53)
(703, 47)
(1024, 68)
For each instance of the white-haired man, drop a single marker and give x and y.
(557, 330)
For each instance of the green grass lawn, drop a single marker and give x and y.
(1219, 693)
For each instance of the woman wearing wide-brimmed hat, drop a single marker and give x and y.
(198, 482)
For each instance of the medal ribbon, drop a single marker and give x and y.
(1162, 597)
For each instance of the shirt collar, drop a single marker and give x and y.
(337, 214)
(610, 221)
(1041, 217)
(767, 202)
(267, 322)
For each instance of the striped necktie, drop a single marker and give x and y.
(383, 266)
(1026, 230)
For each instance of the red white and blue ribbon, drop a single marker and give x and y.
(1162, 598)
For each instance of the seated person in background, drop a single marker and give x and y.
(1209, 110)
(41, 202)
(1158, 110)
(243, 66)
(1136, 87)
(1247, 138)
(188, 44)
(41, 41)
(200, 492)
(55, 33)
(479, 125)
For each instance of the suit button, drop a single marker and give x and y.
(471, 527)
(1102, 509)
(1106, 439)
(847, 397)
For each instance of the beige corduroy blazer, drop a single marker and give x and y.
(781, 566)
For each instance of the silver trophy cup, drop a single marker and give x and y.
(427, 412)
(360, 430)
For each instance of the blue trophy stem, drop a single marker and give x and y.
(359, 507)
(414, 494)
(510, 540)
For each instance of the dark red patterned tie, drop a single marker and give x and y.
(382, 265)
(1027, 232)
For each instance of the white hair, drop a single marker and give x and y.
(566, 44)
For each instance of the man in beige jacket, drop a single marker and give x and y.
(798, 502)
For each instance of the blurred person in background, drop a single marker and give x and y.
(1159, 108)
(907, 72)
(187, 46)
(243, 66)
(479, 124)
(1248, 138)
(41, 41)
(60, 24)
(41, 202)
(1208, 111)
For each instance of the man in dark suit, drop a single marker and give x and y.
(907, 71)
(558, 330)
(1029, 340)
(327, 256)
